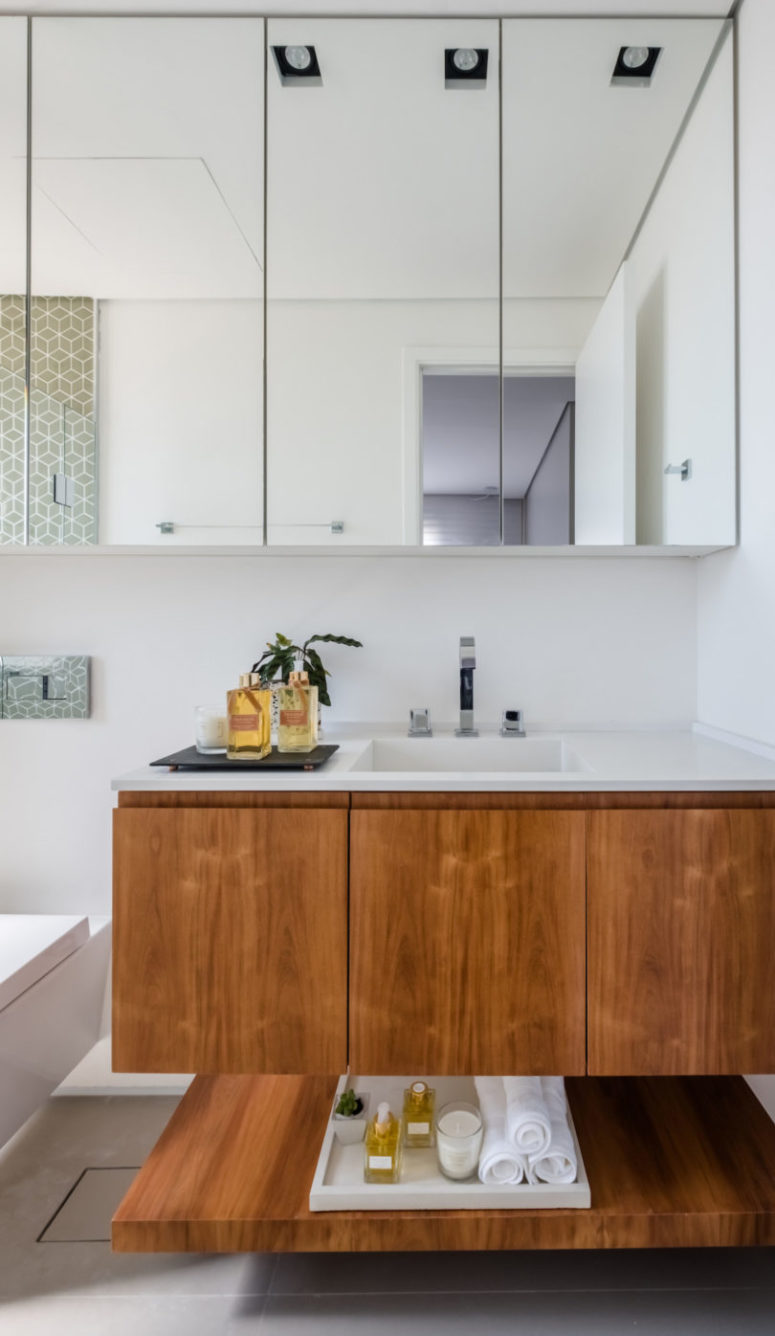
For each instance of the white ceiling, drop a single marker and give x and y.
(581, 157)
(147, 157)
(382, 183)
(148, 141)
(112, 226)
(13, 135)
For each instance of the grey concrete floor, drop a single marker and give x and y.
(70, 1282)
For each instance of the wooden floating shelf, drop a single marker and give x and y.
(672, 1162)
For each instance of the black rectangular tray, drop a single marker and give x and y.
(190, 759)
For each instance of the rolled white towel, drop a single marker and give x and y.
(499, 1162)
(558, 1164)
(527, 1119)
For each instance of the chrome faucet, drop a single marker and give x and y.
(467, 665)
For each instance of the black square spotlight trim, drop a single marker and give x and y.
(297, 64)
(465, 66)
(635, 65)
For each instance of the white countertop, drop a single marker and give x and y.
(692, 759)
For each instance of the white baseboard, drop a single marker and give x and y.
(93, 1076)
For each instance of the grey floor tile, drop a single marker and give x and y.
(86, 1212)
(161, 1316)
(40, 1165)
(374, 1273)
(690, 1313)
(69, 1269)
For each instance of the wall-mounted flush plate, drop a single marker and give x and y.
(44, 686)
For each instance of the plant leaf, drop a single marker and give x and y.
(317, 675)
(334, 640)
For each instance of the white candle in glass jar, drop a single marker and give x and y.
(211, 729)
(459, 1132)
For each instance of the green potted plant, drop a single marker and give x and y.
(281, 656)
(349, 1116)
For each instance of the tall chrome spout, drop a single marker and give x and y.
(467, 666)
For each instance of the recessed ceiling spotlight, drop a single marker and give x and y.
(465, 67)
(300, 57)
(465, 59)
(635, 65)
(297, 64)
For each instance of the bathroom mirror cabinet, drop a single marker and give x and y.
(367, 282)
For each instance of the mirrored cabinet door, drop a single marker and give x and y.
(147, 281)
(618, 281)
(383, 282)
(13, 279)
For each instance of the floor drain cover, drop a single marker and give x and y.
(86, 1212)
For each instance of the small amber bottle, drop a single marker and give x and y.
(249, 710)
(382, 1161)
(419, 1104)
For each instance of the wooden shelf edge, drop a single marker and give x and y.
(672, 1162)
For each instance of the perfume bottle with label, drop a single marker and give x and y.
(382, 1160)
(297, 723)
(249, 712)
(419, 1104)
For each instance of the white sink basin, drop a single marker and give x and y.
(479, 755)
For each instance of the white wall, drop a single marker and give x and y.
(568, 640)
(605, 423)
(681, 291)
(736, 590)
(339, 402)
(736, 668)
(180, 421)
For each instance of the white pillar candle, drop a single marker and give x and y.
(459, 1132)
(211, 729)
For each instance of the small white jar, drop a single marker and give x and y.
(211, 729)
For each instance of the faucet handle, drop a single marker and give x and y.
(467, 652)
(420, 723)
(512, 725)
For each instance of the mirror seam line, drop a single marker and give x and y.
(501, 506)
(28, 298)
(264, 372)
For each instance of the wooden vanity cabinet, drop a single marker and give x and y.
(230, 934)
(466, 940)
(681, 941)
(468, 953)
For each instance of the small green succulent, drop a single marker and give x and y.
(349, 1104)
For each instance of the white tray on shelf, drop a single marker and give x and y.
(338, 1182)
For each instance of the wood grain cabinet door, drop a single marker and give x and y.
(230, 940)
(467, 942)
(681, 928)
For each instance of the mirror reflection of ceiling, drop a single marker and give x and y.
(581, 156)
(13, 142)
(461, 409)
(400, 199)
(382, 183)
(148, 148)
(148, 157)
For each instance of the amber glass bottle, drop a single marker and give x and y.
(297, 729)
(419, 1103)
(382, 1160)
(248, 708)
